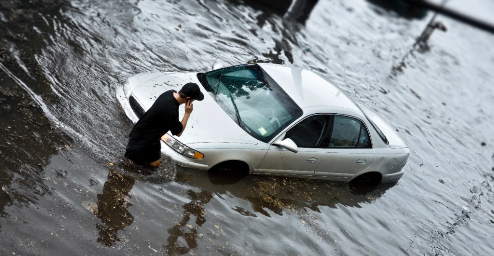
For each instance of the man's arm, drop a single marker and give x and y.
(188, 110)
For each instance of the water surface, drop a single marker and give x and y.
(65, 189)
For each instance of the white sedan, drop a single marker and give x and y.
(273, 120)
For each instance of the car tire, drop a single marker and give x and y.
(365, 183)
(228, 172)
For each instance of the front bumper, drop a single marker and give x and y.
(180, 159)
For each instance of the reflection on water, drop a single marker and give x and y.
(185, 228)
(421, 45)
(283, 193)
(112, 207)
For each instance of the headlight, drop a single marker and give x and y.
(181, 148)
(126, 89)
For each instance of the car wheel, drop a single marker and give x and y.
(365, 183)
(228, 172)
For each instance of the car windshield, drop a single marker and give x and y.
(252, 99)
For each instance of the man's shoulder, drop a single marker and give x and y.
(166, 100)
(166, 96)
(167, 93)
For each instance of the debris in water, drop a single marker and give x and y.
(149, 246)
(91, 206)
(93, 182)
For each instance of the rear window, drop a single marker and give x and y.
(348, 132)
(379, 132)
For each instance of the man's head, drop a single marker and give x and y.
(192, 91)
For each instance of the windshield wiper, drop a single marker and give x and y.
(236, 109)
(217, 85)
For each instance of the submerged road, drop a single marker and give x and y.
(65, 190)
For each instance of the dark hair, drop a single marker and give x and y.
(182, 95)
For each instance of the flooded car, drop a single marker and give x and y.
(273, 120)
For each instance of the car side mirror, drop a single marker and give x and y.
(287, 144)
(217, 65)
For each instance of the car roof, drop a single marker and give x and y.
(308, 89)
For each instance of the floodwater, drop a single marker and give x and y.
(66, 191)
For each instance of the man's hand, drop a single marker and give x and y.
(189, 107)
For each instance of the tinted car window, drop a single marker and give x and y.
(308, 133)
(364, 141)
(348, 132)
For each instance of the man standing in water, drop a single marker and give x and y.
(144, 146)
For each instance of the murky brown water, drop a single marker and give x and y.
(65, 190)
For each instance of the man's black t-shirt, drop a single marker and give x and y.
(158, 120)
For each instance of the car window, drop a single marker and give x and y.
(308, 133)
(364, 141)
(348, 132)
(242, 74)
(236, 79)
(252, 98)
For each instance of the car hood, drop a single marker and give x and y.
(208, 123)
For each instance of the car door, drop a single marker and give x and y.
(307, 134)
(348, 149)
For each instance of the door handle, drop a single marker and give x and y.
(311, 160)
(361, 161)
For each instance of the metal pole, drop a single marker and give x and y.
(454, 15)
(430, 22)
